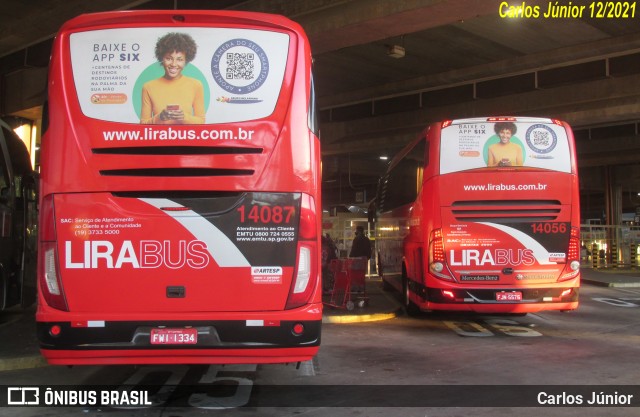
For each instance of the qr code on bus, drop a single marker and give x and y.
(240, 66)
(541, 138)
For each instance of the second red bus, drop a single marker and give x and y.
(482, 215)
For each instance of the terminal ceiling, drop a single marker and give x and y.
(461, 60)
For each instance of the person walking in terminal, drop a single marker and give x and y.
(173, 98)
(505, 153)
(361, 245)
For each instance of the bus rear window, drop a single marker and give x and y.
(479, 143)
(166, 75)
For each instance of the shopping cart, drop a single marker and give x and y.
(349, 288)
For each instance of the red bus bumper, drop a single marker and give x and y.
(216, 338)
(561, 296)
(179, 356)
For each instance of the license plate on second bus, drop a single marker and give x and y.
(174, 336)
(509, 296)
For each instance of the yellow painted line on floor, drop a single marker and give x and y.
(359, 318)
(26, 362)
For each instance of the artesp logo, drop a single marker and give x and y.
(266, 270)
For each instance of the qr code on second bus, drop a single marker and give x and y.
(541, 138)
(240, 66)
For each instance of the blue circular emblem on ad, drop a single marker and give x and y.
(240, 66)
(541, 138)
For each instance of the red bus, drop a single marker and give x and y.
(180, 203)
(482, 215)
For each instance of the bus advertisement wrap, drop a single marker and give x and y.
(118, 74)
(475, 144)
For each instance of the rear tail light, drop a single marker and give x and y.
(437, 247)
(573, 254)
(55, 330)
(437, 260)
(48, 271)
(303, 270)
(566, 292)
(306, 277)
(308, 225)
(298, 329)
(501, 119)
(572, 269)
(449, 294)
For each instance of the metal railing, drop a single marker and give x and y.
(609, 246)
